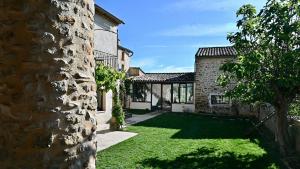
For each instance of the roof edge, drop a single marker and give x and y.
(100, 10)
(199, 51)
(126, 49)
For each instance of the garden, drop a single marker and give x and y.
(181, 141)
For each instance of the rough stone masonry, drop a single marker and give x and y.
(47, 86)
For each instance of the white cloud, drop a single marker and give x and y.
(171, 69)
(201, 30)
(213, 5)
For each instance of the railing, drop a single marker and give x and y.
(106, 59)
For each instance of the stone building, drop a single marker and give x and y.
(124, 57)
(135, 71)
(187, 92)
(209, 96)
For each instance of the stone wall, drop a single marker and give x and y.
(206, 75)
(263, 112)
(294, 125)
(104, 117)
(296, 134)
(47, 86)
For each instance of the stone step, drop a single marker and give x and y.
(103, 127)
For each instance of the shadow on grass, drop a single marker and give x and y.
(200, 127)
(205, 158)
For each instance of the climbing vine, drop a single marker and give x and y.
(109, 79)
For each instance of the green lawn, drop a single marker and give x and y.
(174, 141)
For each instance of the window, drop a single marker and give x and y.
(123, 56)
(190, 93)
(141, 92)
(101, 100)
(175, 93)
(219, 99)
(183, 93)
(122, 67)
(147, 91)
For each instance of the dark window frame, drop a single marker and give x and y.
(224, 102)
(186, 92)
(144, 91)
(123, 56)
(193, 93)
(172, 92)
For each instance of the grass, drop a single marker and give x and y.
(138, 111)
(174, 141)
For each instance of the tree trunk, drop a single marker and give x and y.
(282, 134)
(47, 86)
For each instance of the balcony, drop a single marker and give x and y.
(106, 59)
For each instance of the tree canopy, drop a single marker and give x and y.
(268, 58)
(267, 67)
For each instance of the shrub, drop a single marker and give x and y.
(294, 108)
(117, 113)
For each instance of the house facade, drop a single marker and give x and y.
(124, 58)
(209, 95)
(189, 92)
(108, 52)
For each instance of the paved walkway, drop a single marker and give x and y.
(139, 118)
(106, 138)
(109, 139)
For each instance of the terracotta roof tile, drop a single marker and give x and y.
(165, 77)
(216, 51)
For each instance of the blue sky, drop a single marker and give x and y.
(165, 34)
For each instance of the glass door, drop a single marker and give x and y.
(156, 100)
(166, 97)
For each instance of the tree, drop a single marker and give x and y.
(47, 84)
(267, 68)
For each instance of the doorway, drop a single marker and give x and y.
(156, 101)
(167, 97)
(161, 98)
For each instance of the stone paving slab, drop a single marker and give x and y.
(106, 138)
(139, 118)
(109, 139)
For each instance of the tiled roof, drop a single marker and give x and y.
(165, 77)
(216, 51)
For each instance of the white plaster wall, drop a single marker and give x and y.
(183, 108)
(103, 117)
(140, 105)
(106, 35)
